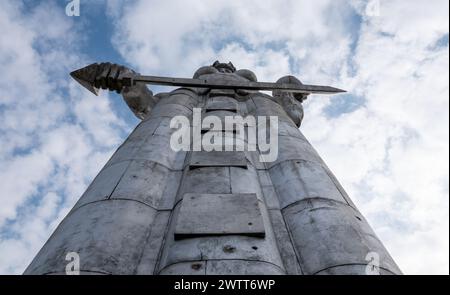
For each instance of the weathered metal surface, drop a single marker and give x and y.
(152, 210)
(134, 142)
(328, 234)
(221, 103)
(103, 185)
(292, 148)
(157, 149)
(221, 115)
(242, 267)
(172, 185)
(170, 110)
(217, 159)
(152, 246)
(221, 140)
(144, 181)
(245, 181)
(352, 269)
(185, 268)
(299, 180)
(108, 236)
(289, 129)
(220, 247)
(219, 214)
(287, 252)
(180, 98)
(206, 180)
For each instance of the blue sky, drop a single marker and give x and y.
(386, 139)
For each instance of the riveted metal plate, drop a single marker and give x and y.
(217, 159)
(219, 214)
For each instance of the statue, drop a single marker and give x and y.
(156, 210)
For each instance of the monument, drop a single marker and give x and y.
(154, 209)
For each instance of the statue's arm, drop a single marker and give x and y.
(138, 97)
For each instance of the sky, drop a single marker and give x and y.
(386, 139)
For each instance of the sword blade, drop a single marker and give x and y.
(204, 83)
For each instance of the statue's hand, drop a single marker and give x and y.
(110, 76)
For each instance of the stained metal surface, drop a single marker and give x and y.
(153, 210)
(217, 159)
(219, 214)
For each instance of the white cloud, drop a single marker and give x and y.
(391, 152)
(398, 149)
(55, 136)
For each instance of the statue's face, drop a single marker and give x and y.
(224, 70)
(223, 67)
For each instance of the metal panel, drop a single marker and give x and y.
(157, 149)
(185, 268)
(327, 234)
(292, 148)
(266, 106)
(170, 110)
(254, 158)
(221, 114)
(180, 98)
(222, 92)
(228, 140)
(245, 181)
(134, 142)
(207, 180)
(289, 129)
(352, 269)
(217, 159)
(299, 180)
(219, 214)
(270, 197)
(287, 252)
(238, 247)
(103, 185)
(153, 244)
(221, 103)
(109, 236)
(170, 191)
(242, 267)
(144, 181)
(209, 247)
(164, 127)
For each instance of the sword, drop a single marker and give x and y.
(86, 77)
(205, 83)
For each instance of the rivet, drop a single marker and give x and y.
(228, 249)
(196, 266)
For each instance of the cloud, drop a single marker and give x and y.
(389, 149)
(386, 140)
(54, 136)
(396, 143)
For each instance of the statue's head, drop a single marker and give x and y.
(223, 67)
(291, 102)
